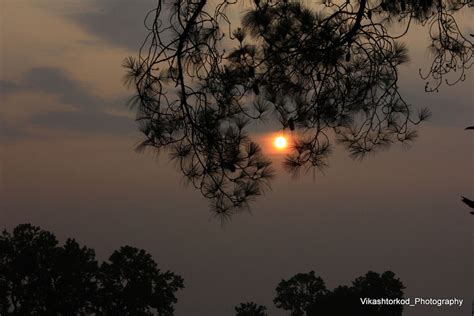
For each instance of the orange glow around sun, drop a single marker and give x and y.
(280, 142)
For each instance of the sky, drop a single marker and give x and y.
(67, 164)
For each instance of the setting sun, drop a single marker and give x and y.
(280, 142)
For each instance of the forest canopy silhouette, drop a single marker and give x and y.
(40, 277)
(326, 73)
(305, 294)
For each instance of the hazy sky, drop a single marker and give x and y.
(67, 164)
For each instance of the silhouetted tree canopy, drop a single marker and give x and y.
(326, 73)
(306, 295)
(300, 292)
(344, 300)
(250, 309)
(39, 277)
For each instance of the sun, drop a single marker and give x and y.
(280, 142)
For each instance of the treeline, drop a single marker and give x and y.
(40, 277)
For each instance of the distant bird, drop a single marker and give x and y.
(470, 127)
(468, 202)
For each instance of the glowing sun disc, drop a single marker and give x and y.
(280, 142)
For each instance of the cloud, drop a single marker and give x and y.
(118, 22)
(7, 87)
(89, 121)
(88, 112)
(9, 133)
(57, 81)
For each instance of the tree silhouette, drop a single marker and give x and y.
(38, 277)
(374, 285)
(324, 73)
(132, 284)
(344, 300)
(306, 295)
(300, 292)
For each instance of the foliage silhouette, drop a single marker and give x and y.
(324, 72)
(464, 199)
(345, 300)
(299, 292)
(132, 284)
(38, 277)
(306, 295)
(468, 202)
